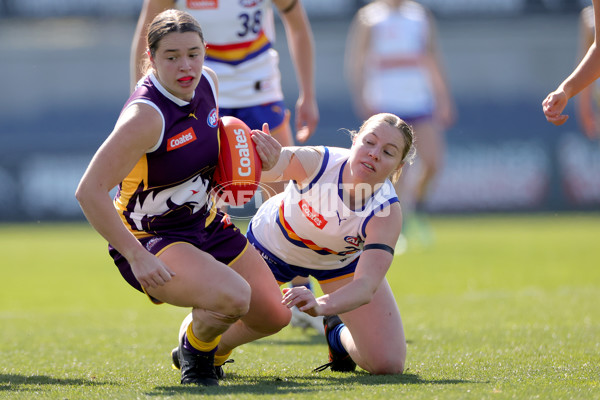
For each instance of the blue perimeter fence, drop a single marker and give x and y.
(65, 77)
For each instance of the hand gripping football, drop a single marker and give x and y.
(239, 167)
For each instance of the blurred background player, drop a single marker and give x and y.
(392, 65)
(165, 233)
(588, 104)
(239, 37)
(586, 72)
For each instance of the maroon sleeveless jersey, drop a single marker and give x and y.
(170, 186)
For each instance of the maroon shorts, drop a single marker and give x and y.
(220, 238)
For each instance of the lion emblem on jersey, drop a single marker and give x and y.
(187, 198)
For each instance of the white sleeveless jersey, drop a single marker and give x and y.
(238, 34)
(395, 78)
(312, 227)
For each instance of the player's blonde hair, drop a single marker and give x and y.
(408, 153)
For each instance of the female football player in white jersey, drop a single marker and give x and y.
(393, 65)
(338, 221)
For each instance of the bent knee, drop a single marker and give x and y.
(271, 322)
(280, 320)
(387, 367)
(234, 301)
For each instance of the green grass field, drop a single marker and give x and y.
(501, 307)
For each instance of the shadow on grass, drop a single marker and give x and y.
(307, 339)
(272, 385)
(20, 383)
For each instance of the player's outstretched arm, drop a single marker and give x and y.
(584, 74)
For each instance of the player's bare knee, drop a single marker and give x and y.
(286, 318)
(277, 321)
(386, 367)
(387, 370)
(230, 300)
(271, 321)
(236, 300)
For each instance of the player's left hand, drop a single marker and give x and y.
(303, 298)
(267, 146)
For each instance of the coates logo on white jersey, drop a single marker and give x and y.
(213, 118)
(317, 219)
(250, 3)
(202, 4)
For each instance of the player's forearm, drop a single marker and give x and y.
(346, 298)
(136, 59)
(303, 57)
(302, 50)
(150, 9)
(138, 45)
(585, 74)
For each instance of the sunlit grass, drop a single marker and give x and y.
(499, 307)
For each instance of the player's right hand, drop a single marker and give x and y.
(151, 272)
(553, 106)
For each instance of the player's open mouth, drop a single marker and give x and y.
(185, 79)
(369, 166)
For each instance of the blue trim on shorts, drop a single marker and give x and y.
(254, 116)
(285, 272)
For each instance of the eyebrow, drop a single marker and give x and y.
(176, 50)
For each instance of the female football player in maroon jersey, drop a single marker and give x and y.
(165, 234)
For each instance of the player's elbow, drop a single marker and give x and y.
(364, 292)
(83, 194)
(80, 194)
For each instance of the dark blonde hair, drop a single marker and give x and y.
(408, 153)
(167, 22)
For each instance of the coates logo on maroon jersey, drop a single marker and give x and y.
(213, 118)
(181, 139)
(250, 3)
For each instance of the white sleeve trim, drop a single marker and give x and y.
(162, 129)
